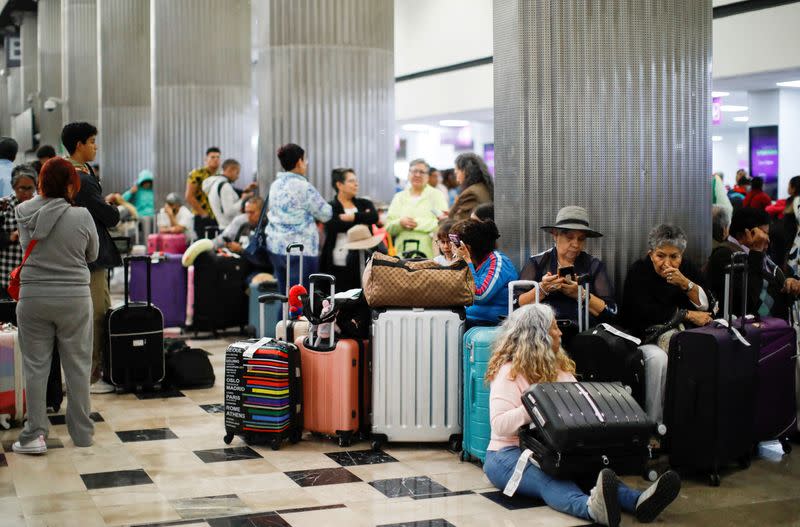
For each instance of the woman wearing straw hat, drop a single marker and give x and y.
(570, 231)
(348, 211)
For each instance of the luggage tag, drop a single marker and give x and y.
(621, 334)
(516, 477)
(735, 331)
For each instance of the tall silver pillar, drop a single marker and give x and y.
(49, 64)
(201, 88)
(79, 60)
(124, 69)
(29, 70)
(603, 104)
(325, 76)
(5, 115)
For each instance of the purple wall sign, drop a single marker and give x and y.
(716, 110)
(764, 157)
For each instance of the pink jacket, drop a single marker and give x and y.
(506, 412)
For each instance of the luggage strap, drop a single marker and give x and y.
(254, 347)
(621, 334)
(591, 402)
(516, 477)
(739, 337)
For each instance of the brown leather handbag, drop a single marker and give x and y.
(392, 282)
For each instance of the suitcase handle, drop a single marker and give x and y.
(738, 264)
(583, 310)
(515, 283)
(126, 264)
(272, 297)
(313, 280)
(289, 249)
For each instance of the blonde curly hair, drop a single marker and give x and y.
(525, 341)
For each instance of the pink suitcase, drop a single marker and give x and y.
(166, 243)
(12, 379)
(335, 376)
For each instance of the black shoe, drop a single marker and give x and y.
(658, 496)
(603, 499)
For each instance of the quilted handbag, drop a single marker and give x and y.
(392, 282)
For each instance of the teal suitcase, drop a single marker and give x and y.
(272, 310)
(477, 352)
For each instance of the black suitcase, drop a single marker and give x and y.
(606, 354)
(711, 393)
(579, 428)
(134, 356)
(263, 392)
(220, 300)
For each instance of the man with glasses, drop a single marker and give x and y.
(769, 290)
(414, 213)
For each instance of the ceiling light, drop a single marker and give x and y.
(716, 138)
(789, 84)
(719, 93)
(733, 108)
(741, 119)
(415, 127)
(453, 122)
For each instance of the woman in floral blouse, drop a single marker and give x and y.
(294, 208)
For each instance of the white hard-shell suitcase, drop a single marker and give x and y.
(416, 376)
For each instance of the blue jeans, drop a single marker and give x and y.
(561, 495)
(310, 266)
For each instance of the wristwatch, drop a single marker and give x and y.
(690, 286)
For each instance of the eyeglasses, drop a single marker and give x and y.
(419, 171)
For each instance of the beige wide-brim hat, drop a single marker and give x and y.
(360, 237)
(573, 218)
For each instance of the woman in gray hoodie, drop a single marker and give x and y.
(54, 303)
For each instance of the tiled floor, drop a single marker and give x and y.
(162, 461)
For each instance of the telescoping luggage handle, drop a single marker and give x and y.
(313, 280)
(583, 305)
(518, 283)
(738, 265)
(289, 249)
(126, 264)
(273, 297)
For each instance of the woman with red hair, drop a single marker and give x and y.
(55, 307)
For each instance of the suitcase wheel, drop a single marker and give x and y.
(345, 439)
(713, 479)
(786, 445)
(228, 438)
(378, 441)
(275, 444)
(744, 462)
(465, 456)
(651, 475)
(295, 436)
(455, 443)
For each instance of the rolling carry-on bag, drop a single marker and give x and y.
(709, 410)
(134, 355)
(220, 301)
(607, 354)
(580, 428)
(416, 375)
(263, 391)
(263, 318)
(334, 374)
(166, 243)
(289, 330)
(477, 352)
(168, 286)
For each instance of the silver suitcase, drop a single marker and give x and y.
(416, 376)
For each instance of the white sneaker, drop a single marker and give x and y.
(101, 386)
(603, 501)
(34, 446)
(655, 499)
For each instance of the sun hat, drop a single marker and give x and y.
(360, 237)
(573, 218)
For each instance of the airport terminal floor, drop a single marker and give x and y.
(162, 461)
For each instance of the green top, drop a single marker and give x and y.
(422, 210)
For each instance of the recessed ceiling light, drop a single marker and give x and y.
(789, 84)
(416, 127)
(453, 122)
(719, 93)
(741, 119)
(716, 138)
(733, 108)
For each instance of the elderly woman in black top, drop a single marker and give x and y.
(570, 231)
(348, 210)
(663, 290)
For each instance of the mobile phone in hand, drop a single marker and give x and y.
(565, 272)
(455, 239)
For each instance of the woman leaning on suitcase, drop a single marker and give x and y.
(54, 303)
(528, 350)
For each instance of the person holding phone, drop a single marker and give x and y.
(414, 212)
(558, 270)
(475, 242)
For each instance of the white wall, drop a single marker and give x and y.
(788, 138)
(758, 41)
(730, 154)
(446, 93)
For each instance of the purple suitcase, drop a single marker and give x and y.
(776, 415)
(169, 286)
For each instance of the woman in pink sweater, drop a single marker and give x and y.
(528, 351)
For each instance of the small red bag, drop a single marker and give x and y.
(14, 283)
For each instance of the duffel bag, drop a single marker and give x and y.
(187, 367)
(392, 282)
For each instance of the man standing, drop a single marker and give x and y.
(225, 201)
(79, 140)
(8, 153)
(196, 199)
